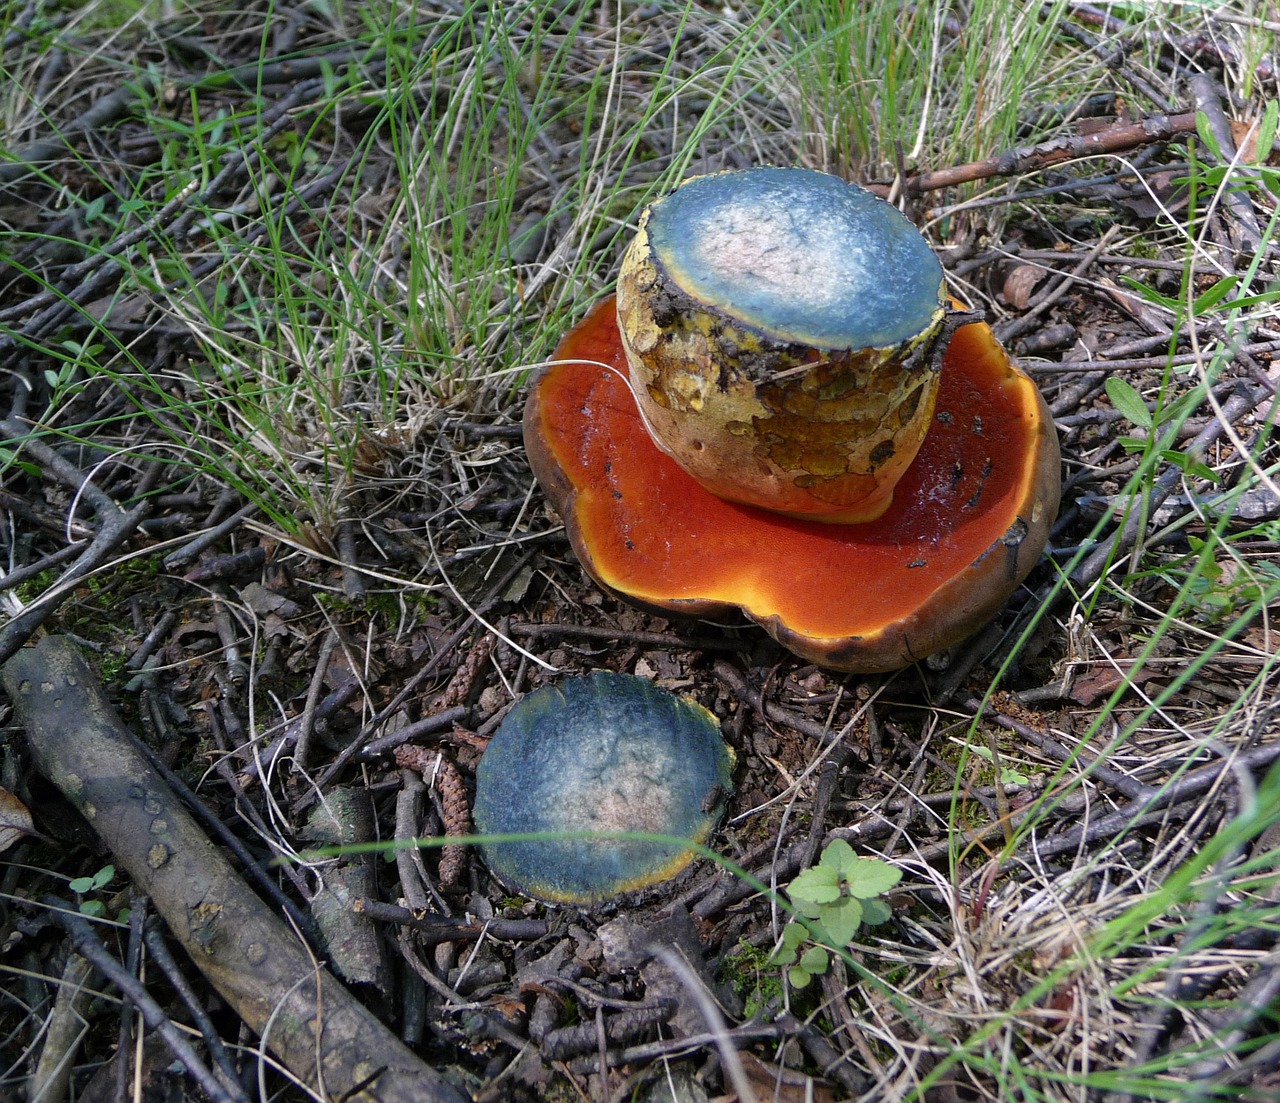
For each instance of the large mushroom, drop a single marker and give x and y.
(948, 541)
(781, 328)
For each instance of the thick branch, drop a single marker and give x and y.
(311, 1022)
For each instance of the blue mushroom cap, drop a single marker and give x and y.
(800, 255)
(599, 755)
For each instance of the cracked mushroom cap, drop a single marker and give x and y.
(968, 521)
(602, 754)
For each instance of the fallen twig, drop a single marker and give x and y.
(1108, 552)
(438, 771)
(1142, 363)
(87, 944)
(1026, 159)
(330, 1041)
(115, 531)
(1234, 199)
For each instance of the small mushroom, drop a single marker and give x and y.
(783, 330)
(596, 756)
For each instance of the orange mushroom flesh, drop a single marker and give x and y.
(968, 520)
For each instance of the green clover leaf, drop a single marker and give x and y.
(792, 935)
(842, 920)
(798, 977)
(814, 960)
(867, 877)
(819, 884)
(837, 856)
(875, 912)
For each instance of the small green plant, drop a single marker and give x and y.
(832, 900)
(84, 886)
(1008, 775)
(750, 971)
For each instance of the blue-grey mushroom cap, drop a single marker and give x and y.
(800, 255)
(601, 754)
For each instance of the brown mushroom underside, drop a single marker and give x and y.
(968, 520)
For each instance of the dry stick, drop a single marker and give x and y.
(828, 777)
(60, 524)
(104, 112)
(114, 532)
(365, 747)
(324, 1036)
(625, 636)
(734, 680)
(250, 867)
(53, 559)
(1092, 765)
(352, 579)
(114, 106)
(102, 271)
(1234, 199)
(190, 551)
(455, 812)
(1077, 187)
(159, 951)
(828, 1059)
(1112, 58)
(414, 881)
(1191, 786)
(1142, 363)
(645, 639)
(565, 1042)
(159, 631)
(431, 929)
(691, 1043)
(1027, 159)
(53, 464)
(228, 637)
(307, 723)
(65, 1028)
(54, 303)
(1007, 331)
(428, 725)
(88, 946)
(1191, 45)
(1182, 987)
(1058, 256)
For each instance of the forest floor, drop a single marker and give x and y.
(273, 281)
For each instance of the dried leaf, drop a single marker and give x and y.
(15, 820)
(1020, 283)
(785, 1085)
(1104, 680)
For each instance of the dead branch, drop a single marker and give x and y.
(1235, 200)
(454, 808)
(307, 1018)
(1027, 159)
(88, 946)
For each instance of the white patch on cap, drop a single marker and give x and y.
(765, 244)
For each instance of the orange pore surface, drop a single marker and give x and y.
(658, 536)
